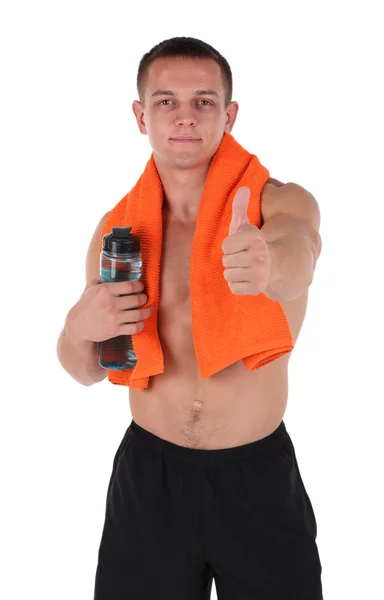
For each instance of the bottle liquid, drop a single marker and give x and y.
(120, 260)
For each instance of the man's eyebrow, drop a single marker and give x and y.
(197, 93)
(207, 93)
(163, 93)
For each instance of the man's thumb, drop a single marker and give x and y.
(240, 209)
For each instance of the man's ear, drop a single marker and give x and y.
(232, 110)
(139, 114)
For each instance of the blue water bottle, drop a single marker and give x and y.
(120, 260)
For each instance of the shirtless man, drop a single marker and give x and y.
(167, 532)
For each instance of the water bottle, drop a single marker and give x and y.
(120, 260)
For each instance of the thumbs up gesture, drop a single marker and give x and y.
(246, 259)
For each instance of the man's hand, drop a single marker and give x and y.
(247, 258)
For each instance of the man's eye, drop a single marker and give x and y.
(207, 103)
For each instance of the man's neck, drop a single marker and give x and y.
(183, 189)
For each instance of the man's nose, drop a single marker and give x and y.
(187, 121)
(185, 117)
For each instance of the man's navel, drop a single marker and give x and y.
(196, 408)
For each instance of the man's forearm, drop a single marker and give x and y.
(293, 260)
(79, 358)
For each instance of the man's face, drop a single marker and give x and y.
(184, 98)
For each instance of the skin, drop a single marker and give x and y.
(234, 406)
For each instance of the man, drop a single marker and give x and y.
(205, 483)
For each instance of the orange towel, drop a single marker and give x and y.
(225, 327)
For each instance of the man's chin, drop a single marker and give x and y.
(185, 162)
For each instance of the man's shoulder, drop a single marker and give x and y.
(274, 182)
(268, 195)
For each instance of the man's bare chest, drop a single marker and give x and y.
(175, 263)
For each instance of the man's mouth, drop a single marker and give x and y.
(184, 138)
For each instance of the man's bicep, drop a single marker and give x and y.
(92, 264)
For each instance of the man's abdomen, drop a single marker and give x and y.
(231, 408)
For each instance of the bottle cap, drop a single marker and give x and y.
(121, 241)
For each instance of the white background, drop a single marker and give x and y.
(307, 78)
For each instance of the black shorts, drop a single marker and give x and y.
(177, 517)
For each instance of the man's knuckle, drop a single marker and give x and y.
(107, 303)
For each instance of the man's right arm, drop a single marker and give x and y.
(79, 357)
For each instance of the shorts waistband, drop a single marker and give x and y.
(207, 457)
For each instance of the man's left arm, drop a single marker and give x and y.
(291, 222)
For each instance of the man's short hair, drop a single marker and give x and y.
(185, 47)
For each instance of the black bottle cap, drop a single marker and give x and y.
(121, 241)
